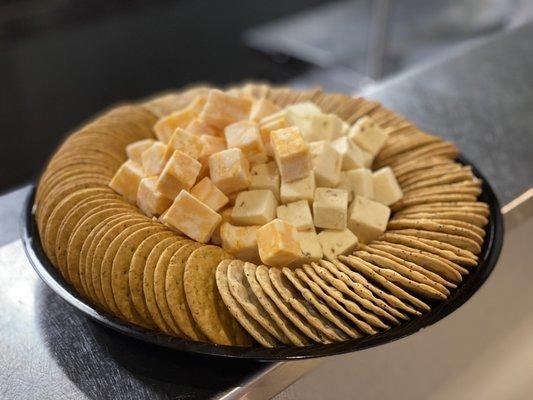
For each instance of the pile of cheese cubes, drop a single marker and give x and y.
(278, 186)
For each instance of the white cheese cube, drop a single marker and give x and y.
(368, 159)
(302, 189)
(179, 174)
(262, 108)
(304, 109)
(352, 156)
(135, 149)
(229, 170)
(222, 109)
(366, 134)
(127, 179)
(327, 163)
(150, 200)
(153, 159)
(254, 207)
(311, 250)
(358, 182)
(367, 219)
(208, 193)
(245, 135)
(386, 188)
(278, 243)
(265, 176)
(297, 213)
(330, 208)
(192, 217)
(241, 241)
(185, 142)
(335, 243)
(323, 127)
(291, 153)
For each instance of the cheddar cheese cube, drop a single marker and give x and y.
(226, 217)
(254, 207)
(165, 127)
(297, 213)
(337, 242)
(265, 176)
(222, 109)
(368, 135)
(127, 179)
(262, 108)
(153, 159)
(208, 193)
(245, 135)
(291, 153)
(357, 182)
(241, 241)
(327, 163)
(278, 243)
(330, 208)
(310, 248)
(386, 188)
(352, 156)
(199, 127)
(150, 200)
(368, 159)
(192, 217)
(367, 219)
(229, 170)
(179, 173)
(210, 145)
(301, 189)
(323, 127)
(267, 126)
(135, 149)
(185, 142)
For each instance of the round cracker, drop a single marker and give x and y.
(471, 218)
(455, 240)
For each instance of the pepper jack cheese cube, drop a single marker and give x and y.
(278, 243)
(330, 208)
(262, 108)
(267, 126)
(327, 163)
(165, 127)
(241, 241)
(127, 179)
(265, 176)
(153, 159)
(386, 188)
(185, 142)
(366, 134)
(254, 207)
(192, 217)
(297, 213)
(150, 200)
(180, 173)
(336, 242)
(245, 135)
(311, 250)
(135, 149)
(357, 182)
(352, 156)
(323, 127)
(229, 170)
(208, 193)
(367, 218)
(291, 153)
(302, 189)
(222, 109)
(199, 127)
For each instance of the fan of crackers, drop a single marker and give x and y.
(139, 270)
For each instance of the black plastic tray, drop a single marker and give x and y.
(487, 260)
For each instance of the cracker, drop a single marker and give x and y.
(430, 173)
(474, 207)
(434, 226)
(471, 218)
(441, 148)
(437, 198)
(403, 146)
(255, 329)
(415, 165)
(447, 177)
(448, 247)
(457, 241)
(472, 188)
(461, 224)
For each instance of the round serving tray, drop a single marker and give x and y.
(487, 260)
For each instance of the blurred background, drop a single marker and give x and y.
(61, 61)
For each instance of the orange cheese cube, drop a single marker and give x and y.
(278, 243)
(222, 109)
(267, 126)
(165, 127)
(262, 108)
(135, 149)
(180, 173)
(150, 200)
(240, 241)
(229, 170)
(192, 217)
(291, 153)
(245, 135)
(226, 217)
(127, 179)
(208, 193)
(185, 142)
(210, 145)
(153, 159)
(199, 127)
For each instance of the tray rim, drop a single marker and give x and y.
(52, 278)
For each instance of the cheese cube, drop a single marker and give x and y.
(352, 156)
(192, 217)
(265, 176)
(291, 153)
(357, 182)
(368, 159)
(254, 207)
(150, 200)
(267, 126)
(262, 108)
(327, 163)
(278, 243)
(386, 188)
(179, 173)
(226, 217)
(245, 135)
(302, 189)
(335, 243)
(222, 109)
(229, 170)
(153, 159)
(302, 110)
(297, 213)
(197, 105)
(330, 208)
(135, 149)
(367, 218)
(323, 127)
(241, 241)
(208, 193)
(199, 127)
(368, 135)
(185, 142)
(311, 250)
(127, 179)
(165, 127)
(210, 145)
